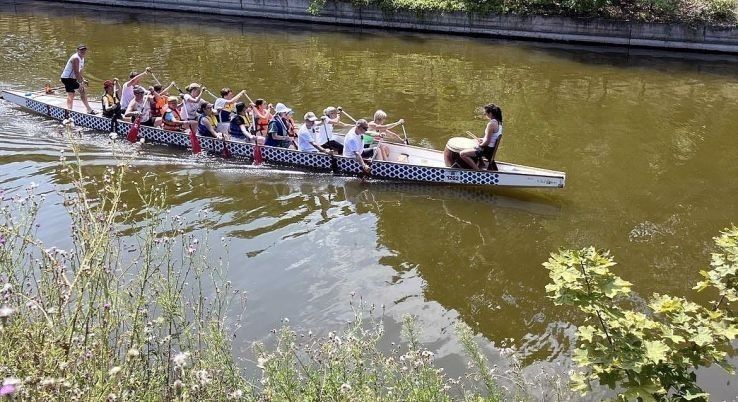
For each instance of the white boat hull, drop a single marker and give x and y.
(418, 164)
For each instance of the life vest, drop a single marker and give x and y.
(158, 104)
(175, 125)
(112, 101)
(224, 114)
(202, 129)
(235, 127)
(292, 128)
(261, 122)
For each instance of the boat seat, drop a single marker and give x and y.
(403, 158)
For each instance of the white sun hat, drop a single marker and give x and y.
(281, 108)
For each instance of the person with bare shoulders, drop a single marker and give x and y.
(378, 126)
(73, 79)
(324, 136)
(489, 143)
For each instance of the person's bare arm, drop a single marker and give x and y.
(488, 131)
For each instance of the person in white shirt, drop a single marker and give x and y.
(324, 135)
(134, 80)
(73, 79)
(306, 136)
(353, 146)
(140, 106)
(193, 101)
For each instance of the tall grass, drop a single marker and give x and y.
(143, 314)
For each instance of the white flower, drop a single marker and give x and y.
(133, 352)
(180, 359)
(261, 362)
(6, 311)
(345, 387)
(203, 377)
(114, 370)
(7, 288)
(113, 136)
(112, 397)
(237, 394)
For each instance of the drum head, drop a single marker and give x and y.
(457, 144)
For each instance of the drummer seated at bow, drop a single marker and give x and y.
(111, 99)
(207, 121)
(487, 145)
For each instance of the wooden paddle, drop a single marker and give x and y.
(405, 134)
(347, 115)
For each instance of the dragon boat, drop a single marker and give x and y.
(407, 163)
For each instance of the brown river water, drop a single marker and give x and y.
(646, 138)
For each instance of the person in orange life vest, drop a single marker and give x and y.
(172, 119)
(158, 98)
(262, 116)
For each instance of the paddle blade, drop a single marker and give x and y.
(258, 159)
(195, 143)
(133, 132)
(226, 152)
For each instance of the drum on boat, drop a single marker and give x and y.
(456, 145)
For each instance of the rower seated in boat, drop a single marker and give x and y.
(487, 146)
(353, 146)
(241, 125)
(277, 134)
(172, 119)
(380, 130)
(324, 136)
(306, 136)
(111, 100)
(139, 107)
(158, 100)
(262, 116)
(225, 105)
(192, 101)
(207, 121)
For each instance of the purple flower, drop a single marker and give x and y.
(7, 390)
(2, 240)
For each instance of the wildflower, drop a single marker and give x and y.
(178, 385)
(338, 341)
(48, 382)
(106, 306)
(331, 335)
(7, 288)
(113, 371)
(203, 377)
(261, 362)
(237, 394)
(286, 320)
(133, 352)
(345, 387)
(10, 385)
(2, 240)
(180, 359)
(112, 397)
(6, 312)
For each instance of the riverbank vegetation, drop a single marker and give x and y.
(151, 316)
(712, 12)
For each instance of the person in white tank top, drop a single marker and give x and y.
(487, 144)
(74, 80)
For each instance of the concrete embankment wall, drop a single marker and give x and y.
(547, 28)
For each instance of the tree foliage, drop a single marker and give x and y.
(651, 354)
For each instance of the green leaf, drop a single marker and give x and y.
(586, 333)
(656, 351)
(702, 337)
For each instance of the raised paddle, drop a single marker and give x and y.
(155, 79)
(347, 115)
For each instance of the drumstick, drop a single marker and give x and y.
(469, 133)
